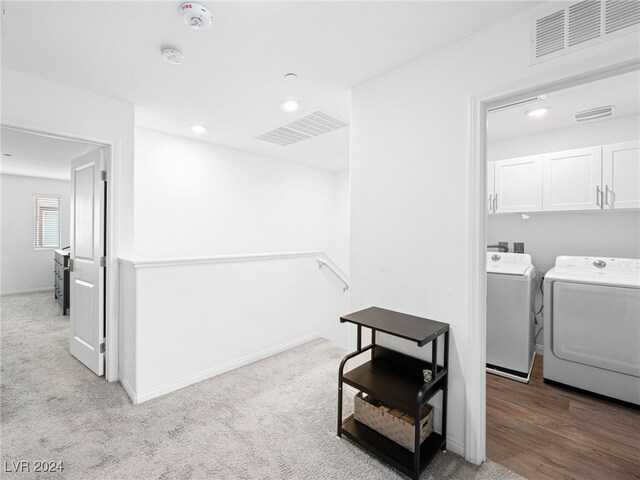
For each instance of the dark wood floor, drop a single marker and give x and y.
(545, 432)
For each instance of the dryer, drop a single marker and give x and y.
(592, 325)
(510, 326)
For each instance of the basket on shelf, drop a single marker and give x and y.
(393, 424)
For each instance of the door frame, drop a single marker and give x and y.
(113, 153)
(553, 79)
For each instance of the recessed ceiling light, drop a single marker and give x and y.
(290, 76)
(199, 128)
(538, 112)
(172, 56)
(290, 105)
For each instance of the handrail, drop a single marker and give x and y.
(321, 257)
(334, 270)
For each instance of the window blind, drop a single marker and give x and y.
(47, 227)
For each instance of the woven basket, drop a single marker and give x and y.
(393, 424)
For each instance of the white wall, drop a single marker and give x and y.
(218, 315)
(198, 199)
(339, 250)
(23, 267)
(36, 104)
(590, 134)
(410, 205)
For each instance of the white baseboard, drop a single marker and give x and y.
(128, 389)
(539, 349)
(455, 446)
(217, 370)
(28, 290)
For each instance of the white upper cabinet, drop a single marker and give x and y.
(518, 185)
(621, 175)
(572, 180)
(491, 186)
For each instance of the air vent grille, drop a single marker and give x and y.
(308, 126)
(582, 24)
(621, 14)
(550, 34)
(584, 21)
(594, 114)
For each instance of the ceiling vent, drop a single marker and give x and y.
(308, 126)
(594, 114)
(581, 25)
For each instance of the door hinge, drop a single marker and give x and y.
(103, 346)
(103, 175)
(103, 262)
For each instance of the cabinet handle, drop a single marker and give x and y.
(606, 196)
(490, 202)
(495, 203)
(598, 202)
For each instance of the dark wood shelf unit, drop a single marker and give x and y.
(417, 329)
(388, 450)
(397, 381)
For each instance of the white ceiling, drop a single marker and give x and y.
(622, 91)
(232, 75)
(38, 156)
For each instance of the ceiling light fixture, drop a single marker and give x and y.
(196, 16)
(290, 76)
(290, 105)
(538, 112)
(7, 155)
(199, 128)
(172, 56)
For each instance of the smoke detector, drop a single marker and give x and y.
(196, 15)
(172, 56)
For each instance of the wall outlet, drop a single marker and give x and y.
(518, 247)
(505, 245)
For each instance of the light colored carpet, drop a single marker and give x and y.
(274, 419)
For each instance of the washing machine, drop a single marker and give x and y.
(592, 325)
(510, 315)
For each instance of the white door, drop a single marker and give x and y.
(621, 175)
(491, 187)
(572, 180)
(518, 185)
(86, 281)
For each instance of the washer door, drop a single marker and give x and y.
(597, 326)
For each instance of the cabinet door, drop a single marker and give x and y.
(518, 184)
(491, 187)
(572, 180)
(621, 175)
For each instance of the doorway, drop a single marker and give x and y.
(51, 208)
(533, 216)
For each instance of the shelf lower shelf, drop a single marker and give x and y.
(388, 450)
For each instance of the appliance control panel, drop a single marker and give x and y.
(512, 258)
(599, 264)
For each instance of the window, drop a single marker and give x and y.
(47, 224)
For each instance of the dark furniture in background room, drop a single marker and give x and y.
(61, 278)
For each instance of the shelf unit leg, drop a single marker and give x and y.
(416, 444)
(340, 407)
(445, 392)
